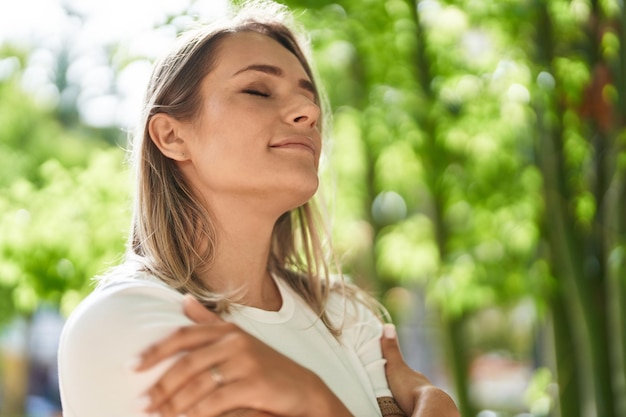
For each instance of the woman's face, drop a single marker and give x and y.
(256, 134)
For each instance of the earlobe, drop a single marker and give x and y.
(165, 131)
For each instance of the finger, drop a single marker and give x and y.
(175, 342)
(184, 338)
(233, 396)
(197, 312)
(246, 412)
(390, 347)
(199, 386)
(191, 376)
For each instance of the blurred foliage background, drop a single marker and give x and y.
(477, 175)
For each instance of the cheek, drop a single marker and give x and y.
(237, 128)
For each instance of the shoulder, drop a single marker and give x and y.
(104, 334)
(124, 304)
(357, 314)
(352, 306)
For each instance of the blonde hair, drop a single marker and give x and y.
(169, 223)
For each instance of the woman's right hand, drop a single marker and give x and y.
(222, 369)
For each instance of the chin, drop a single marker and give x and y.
(301, 194)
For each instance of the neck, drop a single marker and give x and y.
(244, 237)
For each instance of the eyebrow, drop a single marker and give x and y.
(278, 72)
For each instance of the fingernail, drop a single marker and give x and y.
(133, 363)
(188, 298)
(389, 331)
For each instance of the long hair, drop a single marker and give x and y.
(169, 223)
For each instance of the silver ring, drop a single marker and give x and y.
(216, 376)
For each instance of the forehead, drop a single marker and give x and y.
(241, 49)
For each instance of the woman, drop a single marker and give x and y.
(226, 166)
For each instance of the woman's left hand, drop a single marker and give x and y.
(223, 369)
(413, 392)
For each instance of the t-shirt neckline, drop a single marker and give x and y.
(266, 316)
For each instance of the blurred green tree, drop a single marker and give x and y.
(580, 49)
(477, 155)
(429, 135)
(479, 150)
(63, 198)
(64, 201)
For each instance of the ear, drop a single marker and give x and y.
(167, 134)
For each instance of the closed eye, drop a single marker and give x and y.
(255, 92)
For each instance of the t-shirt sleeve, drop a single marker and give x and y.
(362, 331)
(102, 338)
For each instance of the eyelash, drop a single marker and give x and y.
(254, 92)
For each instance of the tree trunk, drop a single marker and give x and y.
(619, 213)
(459, 363)
(566, 353)
(435, 164)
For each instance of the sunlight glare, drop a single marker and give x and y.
(86, 32)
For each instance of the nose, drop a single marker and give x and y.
(304, 112)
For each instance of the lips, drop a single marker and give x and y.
(303, 143)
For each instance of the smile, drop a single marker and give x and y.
(303, 143)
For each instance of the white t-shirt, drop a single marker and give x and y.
(109, 329)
